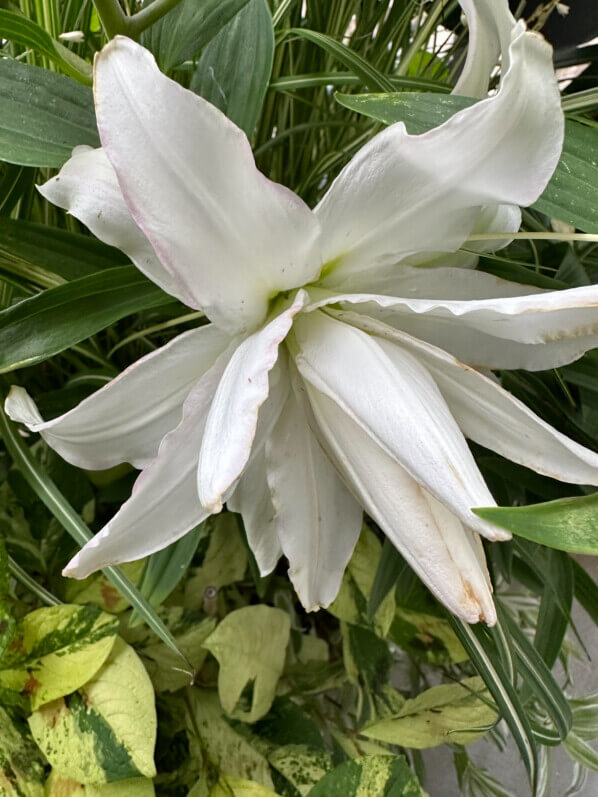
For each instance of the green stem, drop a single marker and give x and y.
(111, 16)
(148, 15)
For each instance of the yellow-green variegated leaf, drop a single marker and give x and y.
(190, 630)
(450, 713)
(58, 786)
(224, 563)
(350, 604)
(370, 776)
(229, 786)
(21, 768)
(56, 650)
(250, 645)
(301, 766)
(107, 732)
(213, 739)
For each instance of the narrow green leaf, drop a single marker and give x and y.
(45, 324)
(44, 115)
(184, 31)
(569, 524)
(388, 571)
(67, 254)
(314, 79)
(500, 687)
(581, 752)
(21, 30)
(59, 507)
(572, 193)
(234, 69)
(164, 569)
(554, 615)
(348, 58)
(538, 676)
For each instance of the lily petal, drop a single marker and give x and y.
(163, 505)
(532, 318)
(187, 173)
(491, 416)
(396, 402)
(404, 195)
(87, 188)
(317, 520)
(490, 24)
(444, 554)
(126, 420)
(233, 419)
(251, 499)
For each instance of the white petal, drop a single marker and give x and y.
(126, 420)
(444, 554)
(88, 189)
(397, 403)
(164, 504)
(532, 318)
(490, 23)
(232, 422)
(403, 195)
(317, 520)
(251, 499)
(493, 417)
(229, 235)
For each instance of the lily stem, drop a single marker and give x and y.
(115, 21)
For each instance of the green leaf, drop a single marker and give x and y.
(190, 629)
(46, 324)
(56, 650)
(66, 254)
(581, 752)
(229, 786)
(493, 673)
(250, 646)
(585, 716)
(358, 580)
(572, 193)
(388, 570)
(212, 738)
(59, 786)
(387, 776)
(450, 713)
(234, 69)
(538, 677)
(568, 524)
(367, 662)
(44, 115)
(164, 569)
(554, 615)
(586, 590)
(107, 732)
(349, 58)
(184, 31)
(224, 563)
(21, 30)
(21, 766)
(300, 766)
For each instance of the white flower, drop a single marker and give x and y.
(328, 380)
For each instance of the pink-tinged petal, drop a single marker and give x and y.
(444, 554)
(164, 504)
(87, 188)
(231, 237)
(126, 420)
(317, 520)
(392, 397)
(233, 419)
(405, 195)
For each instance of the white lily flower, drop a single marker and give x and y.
(334, 376)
